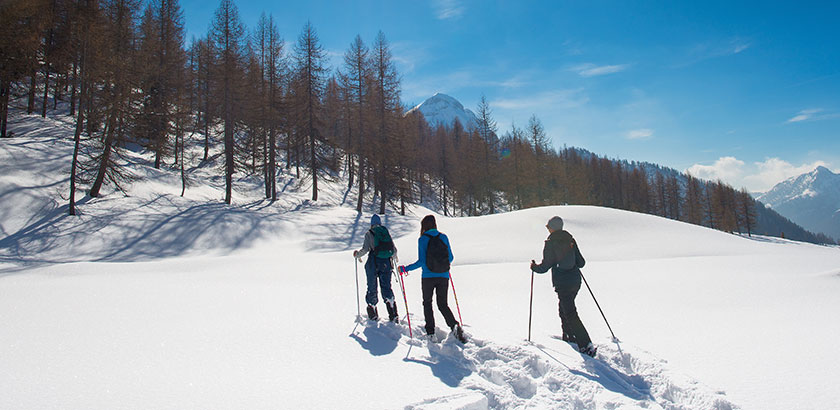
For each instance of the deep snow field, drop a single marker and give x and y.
(153, 301)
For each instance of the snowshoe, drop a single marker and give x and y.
(590, 350)
(459, 333)
(372, 313)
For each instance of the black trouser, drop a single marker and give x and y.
(430, 287)
(569, 319)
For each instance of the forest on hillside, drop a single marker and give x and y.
(130, 77)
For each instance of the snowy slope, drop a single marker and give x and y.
(811, 200)
(443, 109)
(157, 301)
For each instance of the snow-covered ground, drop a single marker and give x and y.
(157, 301)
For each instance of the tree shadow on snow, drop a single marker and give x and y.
(344, 236)
(121, 235)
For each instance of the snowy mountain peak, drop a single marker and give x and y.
(444, 109)
(821, 170)
(811, 200)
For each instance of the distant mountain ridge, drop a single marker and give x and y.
(444, 109)
(812, 200)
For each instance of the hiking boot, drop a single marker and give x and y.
(589, 350)
(372, 313)
(392, 311)
(459, 333)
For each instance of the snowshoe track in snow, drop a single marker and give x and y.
(549, 374)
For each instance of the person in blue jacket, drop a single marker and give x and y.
(434, 256)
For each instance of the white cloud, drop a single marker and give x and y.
(639, 134)
(556, 99)
(756, 177)
(714, 49)
(592, 70)
(448, 9)
(725, 168)
(739, 46)
(774, 170)
(813, 114)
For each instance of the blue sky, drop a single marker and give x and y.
(748, 92)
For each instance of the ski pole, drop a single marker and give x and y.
(615, 339)
(531, 306)
(405, 300)
(358, 304)
(456, 300)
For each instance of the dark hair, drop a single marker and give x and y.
(427, 223)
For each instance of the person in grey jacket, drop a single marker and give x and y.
(380, 249)
(562, 255)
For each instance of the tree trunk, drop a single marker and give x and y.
(76, 142)
(46, 89)
(361, 183)
(73, 92)
(30, 105)
(106, 155)
(57, 92)
(5, 89)
(272, 162)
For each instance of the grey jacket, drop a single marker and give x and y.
(562, 255)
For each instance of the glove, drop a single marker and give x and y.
(402, 271)
(356, 254)
(533, 264)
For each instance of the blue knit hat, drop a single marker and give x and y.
(374, 220)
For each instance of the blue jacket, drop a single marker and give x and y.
(422, 245)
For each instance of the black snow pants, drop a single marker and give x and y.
(441, 287)
(569, 319)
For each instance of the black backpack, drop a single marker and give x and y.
(437, 255)
(383, 246)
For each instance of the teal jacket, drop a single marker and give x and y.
(422, 245)
(562, 255)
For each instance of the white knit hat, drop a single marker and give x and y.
(555, 223)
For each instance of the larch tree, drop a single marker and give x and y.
(386, 92)
(274, 70)
(162, 51)
(119, 79)
(226, 36)
(19, 43)
(87, 14)
(356, 82)
(309, 88)
(487, 130)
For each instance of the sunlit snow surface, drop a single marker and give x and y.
(157, 301)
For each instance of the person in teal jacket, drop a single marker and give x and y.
(435, 278)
